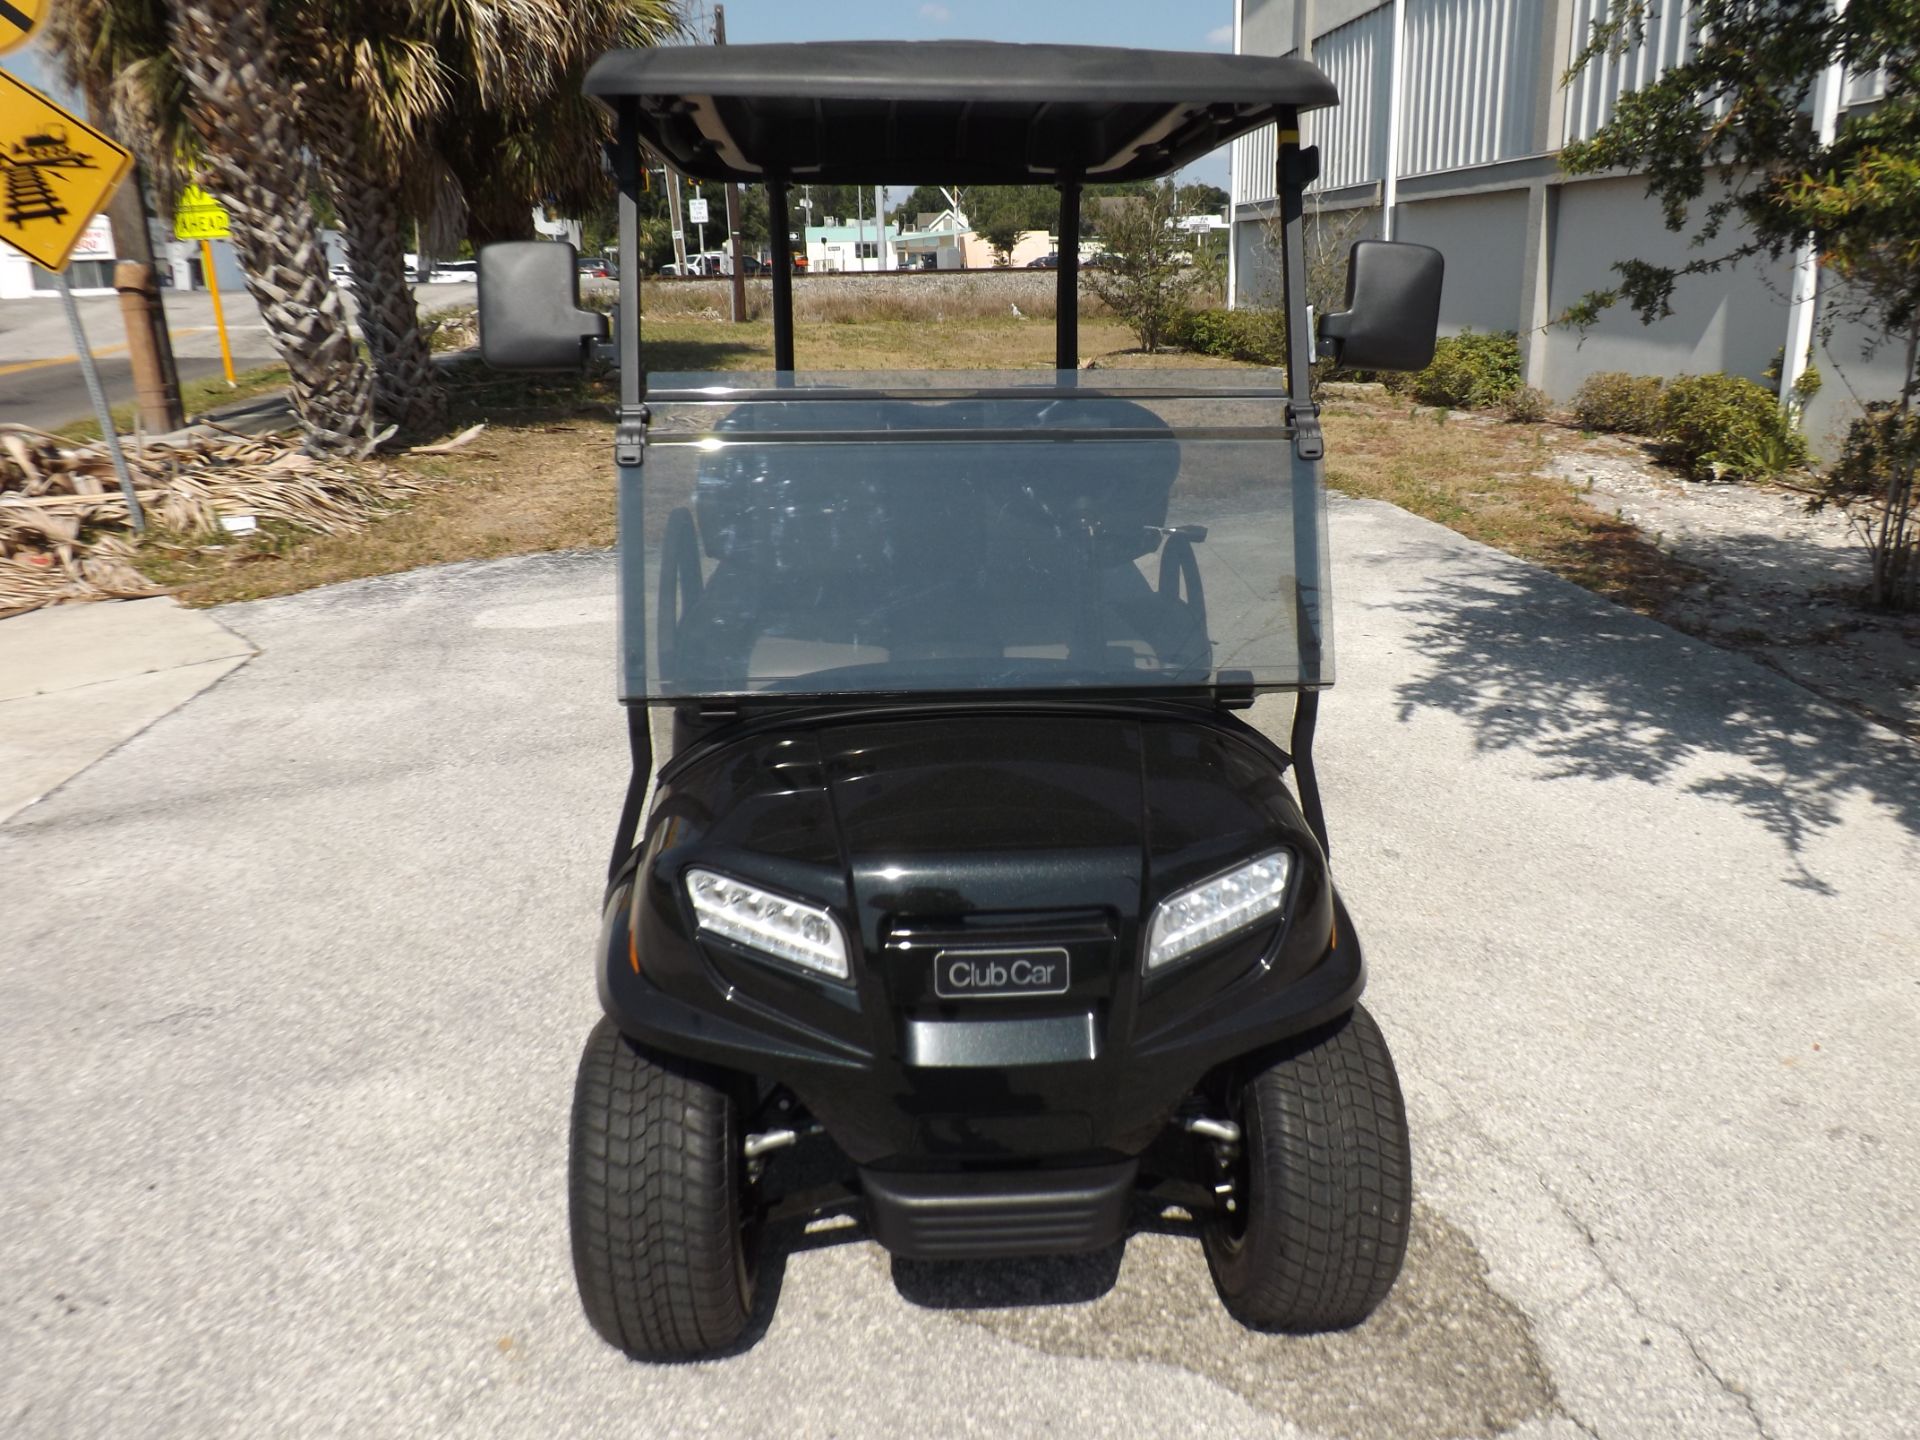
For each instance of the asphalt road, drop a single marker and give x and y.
(40, 379)
(292, 987)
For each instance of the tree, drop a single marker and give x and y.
(204, 79)
(367, 84)
(1001, 214)
(1144, 279)
(1737, 113)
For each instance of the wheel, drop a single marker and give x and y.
(665, 1247)
(1324, 1187)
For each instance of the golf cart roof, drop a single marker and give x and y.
(967, 112)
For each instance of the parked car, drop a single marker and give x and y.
(454, 272)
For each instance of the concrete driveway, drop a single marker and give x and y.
(292, 987)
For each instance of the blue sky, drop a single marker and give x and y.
(1149, 24)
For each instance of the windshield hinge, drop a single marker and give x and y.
(1233, 690)
(1308, 441)
(630, 434)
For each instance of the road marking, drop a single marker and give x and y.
(21, 366)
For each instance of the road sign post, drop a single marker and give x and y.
(100, 408)
(199, 216)
(219, 315)
(56, 173)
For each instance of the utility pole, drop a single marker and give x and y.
(739, 287)
(156, 382)
(676, 219)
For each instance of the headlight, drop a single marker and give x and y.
(803, 935)
(1204, 913)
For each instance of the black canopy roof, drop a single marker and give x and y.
(969, 112)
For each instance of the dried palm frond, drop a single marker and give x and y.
(64, 532)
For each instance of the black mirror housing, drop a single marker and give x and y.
(530, 315)
(1392, 319)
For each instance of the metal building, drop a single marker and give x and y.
(1452, 117)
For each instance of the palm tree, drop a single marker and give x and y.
(367, 86)
(542, 142)
(461, 113)
(463, 110)
(201, 79)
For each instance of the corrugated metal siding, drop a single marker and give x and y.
(1471, 74)
(1254, 159)
(1357, 57)
(1591, 96)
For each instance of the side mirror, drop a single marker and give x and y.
(1392, 317)
(530, 315)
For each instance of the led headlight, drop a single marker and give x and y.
(1203, 913)
(800, 934)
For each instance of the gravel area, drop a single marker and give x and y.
(1778, 579)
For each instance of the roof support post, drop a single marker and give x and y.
(782, 247)
(627, 162)
(1066, 322)
(629, 453)
(1296, 169)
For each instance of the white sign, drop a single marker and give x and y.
(696, 211)
(96, 241)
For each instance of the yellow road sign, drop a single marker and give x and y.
(56, 172)
(199, 216)
(18, 20)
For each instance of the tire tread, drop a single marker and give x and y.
(1331, 1180)
(654, 1204)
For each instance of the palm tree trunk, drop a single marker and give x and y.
(406, 386)
(244, 111)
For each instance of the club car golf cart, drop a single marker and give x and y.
(965, 898)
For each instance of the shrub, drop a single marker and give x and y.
(1874, 477)
(1724, 427)
(1470, 371)
(1527, 405)
(1617, 403)
(1144, 280)
(1257, 336)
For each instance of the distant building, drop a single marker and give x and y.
(938, 241)
(1449, 130)
(868, 245)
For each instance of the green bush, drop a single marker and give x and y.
(1527, 406)
(1470, 371)
(1616, 403)
(1723, 427)
(1256, 336)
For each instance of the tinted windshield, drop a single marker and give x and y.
(835, 533)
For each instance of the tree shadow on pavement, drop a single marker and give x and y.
(1537, 665)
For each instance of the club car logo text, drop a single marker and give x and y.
(975, 974)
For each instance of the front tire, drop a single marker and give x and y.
(664, 1248)
(1324, 1194)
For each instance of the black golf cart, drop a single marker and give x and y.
(964, 895)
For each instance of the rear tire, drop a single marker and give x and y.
(664, 1248)
(1325, 1196)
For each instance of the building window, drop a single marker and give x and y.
(85, 275)
(868, 250)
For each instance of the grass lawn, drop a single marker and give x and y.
(197, 396)
(539, 477)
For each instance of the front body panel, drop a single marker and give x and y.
(993, 832)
